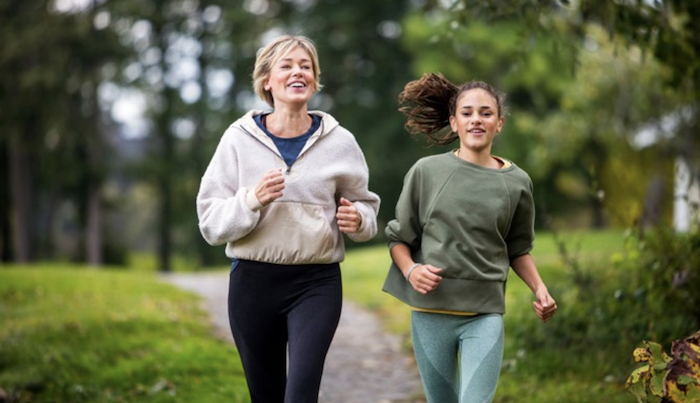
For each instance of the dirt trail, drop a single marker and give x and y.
(364, 364)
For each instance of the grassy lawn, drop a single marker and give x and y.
(81, 335)
(543, 375)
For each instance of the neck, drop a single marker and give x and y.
(288, 122)
(482, 158)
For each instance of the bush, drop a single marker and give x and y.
(649, 292)
(668, 379)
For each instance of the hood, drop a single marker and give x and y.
(247, 124)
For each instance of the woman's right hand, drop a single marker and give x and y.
(425, 278)
(270, 186)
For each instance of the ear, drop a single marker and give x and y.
(266, 85)
(501, 121)
(453, 123)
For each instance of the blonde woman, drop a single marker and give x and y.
(280, 191)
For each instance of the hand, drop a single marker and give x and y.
(545, 306)
(349, 218)
(270, 186)
(425, 278)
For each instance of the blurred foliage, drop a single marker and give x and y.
(650, 291)
(592, 137)
(50, 128)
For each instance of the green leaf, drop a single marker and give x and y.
(638, 390)
(656, 385)
(658, 353)
(687, 380)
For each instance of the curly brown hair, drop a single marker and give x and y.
(429, 102)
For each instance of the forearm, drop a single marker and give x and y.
(401, 254)
(524, 267)
(545, 306)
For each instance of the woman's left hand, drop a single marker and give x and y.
(349, 218)
(545, 306)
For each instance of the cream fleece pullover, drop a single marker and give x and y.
(300, 227)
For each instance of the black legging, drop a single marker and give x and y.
(271, 306)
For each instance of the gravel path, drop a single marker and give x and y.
(364, 364)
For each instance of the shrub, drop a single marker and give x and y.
(649, 292)
(667, 379)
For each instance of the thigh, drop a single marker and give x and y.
(312, 322)
(259, 330)
(435, 345)
(256, 311)
(481, 355)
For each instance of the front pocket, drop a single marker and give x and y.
(289, 233)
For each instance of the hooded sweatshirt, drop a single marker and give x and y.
(300, 227)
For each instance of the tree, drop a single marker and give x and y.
(50, 121)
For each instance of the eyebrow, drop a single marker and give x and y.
(289, 59)
(481, 107)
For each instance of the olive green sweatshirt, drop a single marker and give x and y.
(469, 220)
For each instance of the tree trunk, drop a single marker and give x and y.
(93, 241)
(5, 217)
(21, 197)
(166, 150)
(164, 224)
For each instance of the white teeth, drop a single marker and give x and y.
(297, 85)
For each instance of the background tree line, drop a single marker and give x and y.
(112, 109)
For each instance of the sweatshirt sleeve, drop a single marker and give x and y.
(226, 212)
(406, 227)
(357, 191)
(521, 235)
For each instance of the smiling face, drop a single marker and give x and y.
(291, 79)
(476, 120)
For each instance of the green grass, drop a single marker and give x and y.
(83, 335)
(542, 375)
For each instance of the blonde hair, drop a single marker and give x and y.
(272, 53)
(429, 102)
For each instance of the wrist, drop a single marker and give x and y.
(410, 269)
(252, 200)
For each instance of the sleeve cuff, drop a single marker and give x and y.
(252, 201)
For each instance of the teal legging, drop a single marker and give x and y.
(459, 357)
